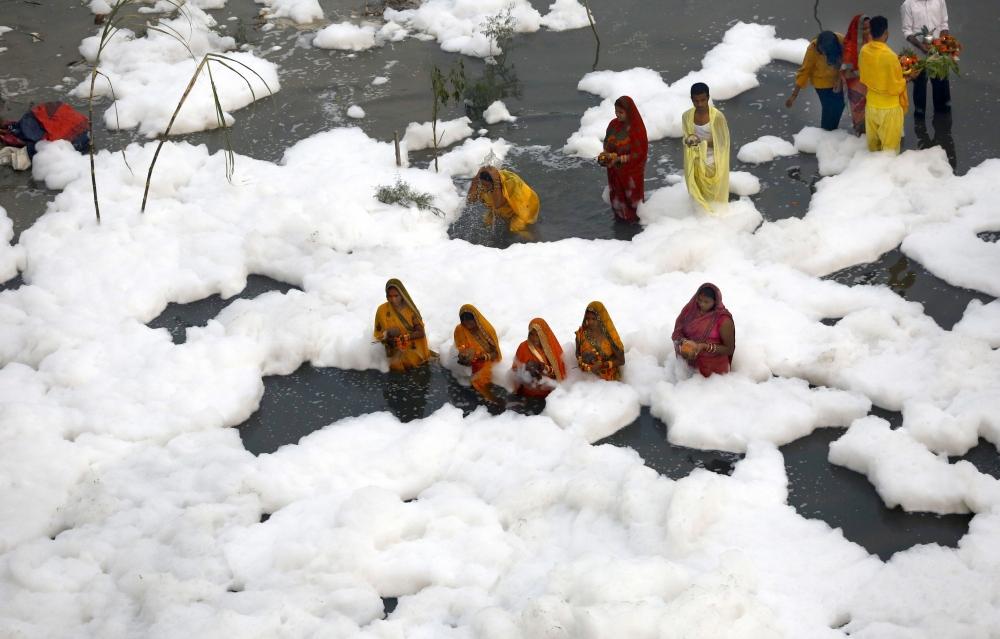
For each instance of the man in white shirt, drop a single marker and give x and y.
(933, 14)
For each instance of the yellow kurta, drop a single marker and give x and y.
(883, 75)
(520, 203)
(887, 101)
(817, 70)
(403, 353)
(707, 183)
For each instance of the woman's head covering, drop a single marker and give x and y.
(636, 127)
(396, 284)
(484, 326)
(853, 41)
(607, 325)
(550, 346)
(691, 318)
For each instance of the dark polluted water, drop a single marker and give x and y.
(670, 36)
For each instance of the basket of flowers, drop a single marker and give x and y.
(912, 65)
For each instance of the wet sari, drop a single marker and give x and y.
(856, 92)
(483, 346)
(707, 181)
(519, 203)
(548, 362)
(603, 350)
(626, 181)
(693, 325)
(404, 352)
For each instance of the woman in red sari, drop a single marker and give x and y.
(858, 34)
(704, 333)
(538, 364)
(625, 150)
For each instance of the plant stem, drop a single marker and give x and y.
(90, 125)
(166, 132)
(590, 18)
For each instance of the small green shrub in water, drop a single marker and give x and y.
(403, 194)
(499, 28)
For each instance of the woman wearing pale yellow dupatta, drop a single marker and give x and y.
(478, 348)
(706, 151)
(538, 365)
(399, 327)
(599, 350)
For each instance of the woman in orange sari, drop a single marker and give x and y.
(399, 327)
(478, 347)
(625, 149)
(858, 35)
(704, 333)
(599, 350)
(538, 365)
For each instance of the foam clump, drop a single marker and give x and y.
(298, 11)
(981, 321)
(833, 149)
(954, 589)
(743, 183)
(593, 408)
(11, 256)
(566, 14)
(420, 135)
(356, 112)
(765, 149)
(497, 112)
(906, 474)
(128, 62)
(458, 25)
(728, 412)
(346, 36)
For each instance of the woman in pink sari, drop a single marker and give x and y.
(624, 155)
(704, 333)
(858, 35)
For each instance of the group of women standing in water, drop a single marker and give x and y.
(626, 148)
(704, 335)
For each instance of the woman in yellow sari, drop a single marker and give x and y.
(505, 195)
(706, 151)
(599, 350)
(399, 327)
(478, 347)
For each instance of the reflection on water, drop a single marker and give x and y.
(11, 284)
(941, 126)
(310, 398)
(406, 393)
(901, 278)
(497, 82)
(908, 279)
